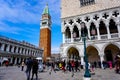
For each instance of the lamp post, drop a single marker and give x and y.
(84, 35)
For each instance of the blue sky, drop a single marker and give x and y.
(20, 20)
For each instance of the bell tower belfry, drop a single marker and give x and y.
(45, 33)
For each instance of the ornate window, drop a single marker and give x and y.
(86, 2)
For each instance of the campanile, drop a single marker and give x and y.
(45, 33)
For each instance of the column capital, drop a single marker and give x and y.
(101, 55)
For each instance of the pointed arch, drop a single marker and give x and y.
(102, 28)
(110, 52)
(72, 51)
(75, 32)
(93, 29)
(67, 32)
(109, 44)
(113, 26)
(92, 54)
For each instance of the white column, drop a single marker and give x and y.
(80, 34)
(101, 59)
(13, 48)
(3, 46)
(98, 33)
(11, 60)
(20, 50)
(15, 61)
(88, 29)
(19, 60)
(27, 52)
(16, 50)
(23, 51)
(71, 36)
(108, 31)
(118, 27)
(63, 37)
(8, 48)
(82, 59)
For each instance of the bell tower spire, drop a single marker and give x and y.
(45, 33)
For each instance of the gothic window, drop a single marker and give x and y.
(102, 28)
(112, 26)
(93, 30)
(75, 32)
(67, 33)
(86, 2)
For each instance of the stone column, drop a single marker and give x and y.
(13, 49)
(98, 33)
(63, 37)
(82, 61)
(11, 60)
(8, 48)
(16, 51)
(118, 27)
(80, 34)
(20, 50)
(101, 59)
(108, 31)
(19, 60)
(3, 46)
(15, 61)
(26, 51)
(23, 51)
(71, 36)
(89, 33)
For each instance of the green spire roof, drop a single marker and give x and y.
(46, 10)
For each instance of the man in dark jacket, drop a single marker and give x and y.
(29, 63)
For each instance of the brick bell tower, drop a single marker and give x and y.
(45, 34)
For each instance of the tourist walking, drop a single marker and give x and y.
(29, 63)
(52, 67)
(22, 65)
(35, 69)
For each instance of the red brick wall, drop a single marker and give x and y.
(45, 42)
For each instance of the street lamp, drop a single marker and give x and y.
(84, 35)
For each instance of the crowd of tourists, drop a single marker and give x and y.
(71, 66)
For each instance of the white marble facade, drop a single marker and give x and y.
(106, 22)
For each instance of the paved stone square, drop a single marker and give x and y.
(15, 73)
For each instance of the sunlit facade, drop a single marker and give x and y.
(101, 17)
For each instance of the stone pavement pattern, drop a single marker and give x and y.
(15, 73)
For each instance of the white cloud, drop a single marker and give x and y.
(18, 13)
(9, 29)
(55, 49)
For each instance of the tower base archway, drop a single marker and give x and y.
(110, 52)
(73, 54)
(92, 54)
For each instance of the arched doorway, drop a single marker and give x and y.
(92, 54)
(73, 54)
(110, 52)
